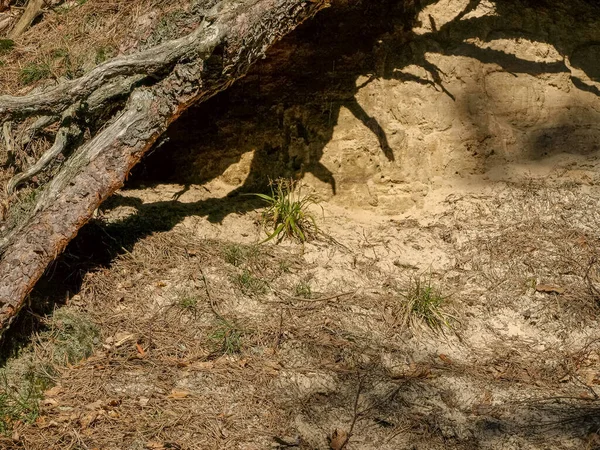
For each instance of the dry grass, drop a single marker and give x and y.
(71, 40)
(67, 42)
(187, 359)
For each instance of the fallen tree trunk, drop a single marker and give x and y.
(154, 86)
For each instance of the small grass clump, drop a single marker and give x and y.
(188, 303)
(250, 284)
(103, 54)
(423, 303)
(69, 338)
(21, 209)
(34, 72)
(303, 290)
(6, 45)
(237, 255)
(227, 337)
(287, 212)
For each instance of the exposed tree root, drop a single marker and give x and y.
(153, 88)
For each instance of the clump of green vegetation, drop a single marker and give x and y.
(73, 337)
(227, 337)
(423, 302)
(60, 53)
(6, 45)
(285, 266)
(188, 302)
(34, 72)
(103, 54)
(237, 255)
(250, 284)
(303, 290)
(69, 338)
(287, 211)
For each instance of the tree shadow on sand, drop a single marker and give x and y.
(285, 110)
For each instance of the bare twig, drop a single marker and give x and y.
(38, 125)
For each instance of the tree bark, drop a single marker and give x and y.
(158, 84)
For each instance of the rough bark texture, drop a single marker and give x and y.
(231, 37)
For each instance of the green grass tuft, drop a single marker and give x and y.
(303, 290)
(237, 254)
(287, 211)
(250, 284)
(6, 45)
(188, 302)
(423, 302)
(227, 337)
(69, 338)
(34, 72)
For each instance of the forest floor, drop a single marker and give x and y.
(186, 334)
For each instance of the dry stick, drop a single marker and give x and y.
(355, 415)
(33, 9)
(321, 299)
(38, 125)
(211, 300)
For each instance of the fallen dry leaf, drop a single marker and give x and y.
(338, 439)
(445, 358)
(49, 403)
(140, 349)
(178, 394)
(122, 337)
(88, 419)
(203, 365)
(53, 392)
(94, 406)
(550, 289)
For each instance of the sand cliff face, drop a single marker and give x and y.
(378, 105)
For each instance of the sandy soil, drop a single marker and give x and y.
(207, 342)
(472, 166)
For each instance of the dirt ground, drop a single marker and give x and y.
(210, 341)
(472, 167)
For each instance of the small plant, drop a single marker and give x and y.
(423, 302)
(34, 72)
(19, 403)
(251, 285)
(287, 211)
(69, 338)
(188, 302)
(303, 290)
(103, 54)
(21, 209)
(236, 254)
(6, 45)
(228, 338)
(285, 266)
